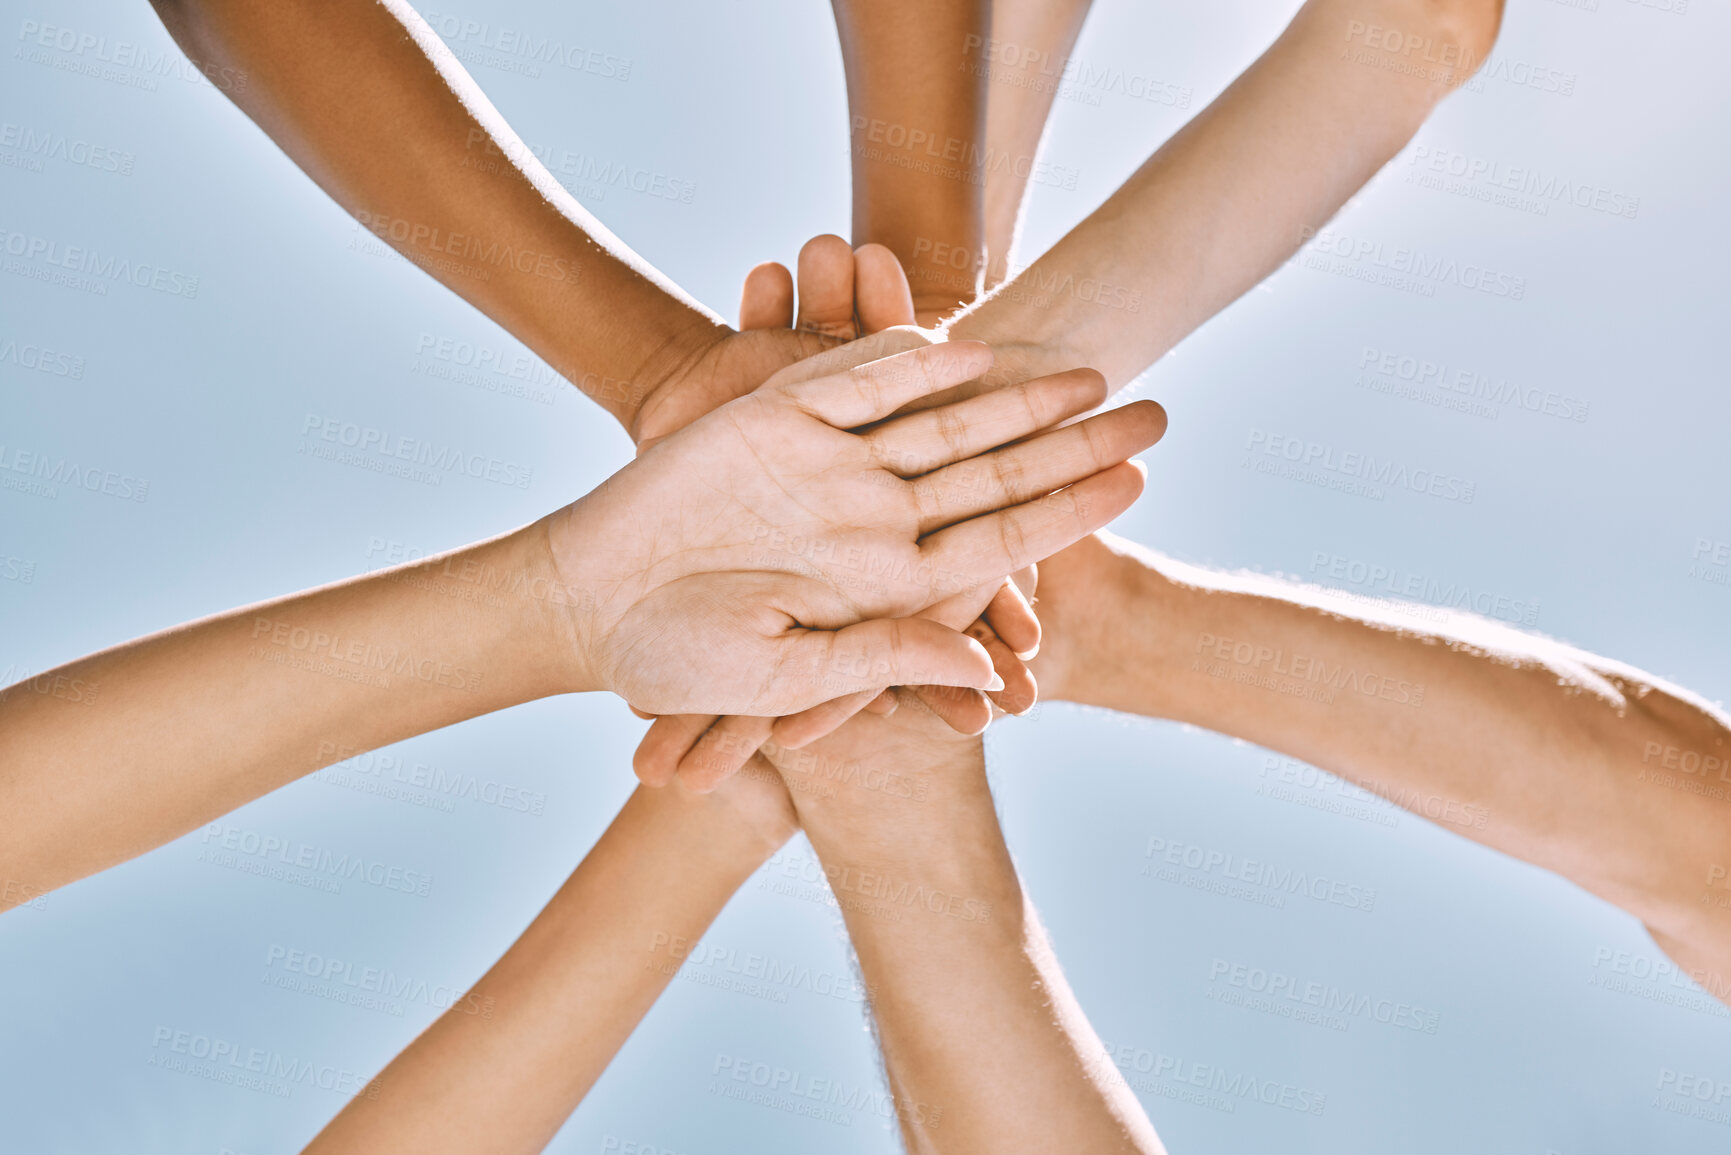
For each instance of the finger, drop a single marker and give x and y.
(1020, 691)
(1003, 542)
(964, 711)
(883, 705)
(815, 665)
(1027, 580)
(723, 749)
(1013, 620)
(844, 357)
(881, 297)
(826, 287)
(1026, 471)
(644, 714)
(656, 761)
(807, 726)
(766, 301)
(924, 441)
(873, 391)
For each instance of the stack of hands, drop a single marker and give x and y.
(820, 575)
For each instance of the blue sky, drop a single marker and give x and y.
(1586, 414)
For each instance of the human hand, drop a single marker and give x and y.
(843, 294)
(767, 538)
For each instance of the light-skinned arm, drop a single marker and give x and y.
(1582, 765)
(1229, 197)
(985, 1046)
(502, 1069)
(1216, 209)
(1026, 61)
(760, 560)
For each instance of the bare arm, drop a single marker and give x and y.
(503, 1068)
(1228, 199)
(692, 563)
(1585, 766)
(371, 104)
(917, 125)
(109, 756)
(1024, 61)
(985, 1046)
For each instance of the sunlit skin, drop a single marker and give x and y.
(1217, 208)
(985, 1046)
(661, 586)
(1546, 741)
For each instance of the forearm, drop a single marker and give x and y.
(1561, 758)
(917, 133)
(503, 1068)
(984, 1044)
(1229, 198)
(1025, 61)
(111, 755)
(367, 100)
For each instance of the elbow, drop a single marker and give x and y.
(1472, 24)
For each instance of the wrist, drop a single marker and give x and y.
(555, 609)
(1097, 602)
(663, 367)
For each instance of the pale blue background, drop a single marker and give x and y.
(205, 398)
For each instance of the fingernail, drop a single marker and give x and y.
(1028, 655)
(997, 683)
